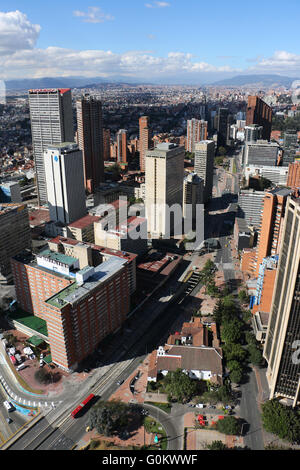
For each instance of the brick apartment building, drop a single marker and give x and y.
(82, 298)
(258, 112)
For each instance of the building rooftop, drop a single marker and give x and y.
(58, 257)
(84, 222)
(6, 208)
(75, 292)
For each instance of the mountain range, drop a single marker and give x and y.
(82, 82)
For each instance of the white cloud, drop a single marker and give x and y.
(281, 62)
(93, 15)
(16, 32)
(157, 5)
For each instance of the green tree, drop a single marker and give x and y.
(255, 355)
(234, 351)
(229, 425)
(281, 420)
(231, 331)
(217, 445)
(109, 417)
(236, 376)
(179, 386)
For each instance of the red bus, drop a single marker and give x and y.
(82, 405)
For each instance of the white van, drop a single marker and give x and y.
(8, 406)
(20, 367)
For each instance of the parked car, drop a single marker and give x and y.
(200, 405)
(120, 382)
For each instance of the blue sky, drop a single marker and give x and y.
(167, 41)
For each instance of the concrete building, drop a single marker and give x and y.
(222, 126)
(51, 118)
(64, 172)
(204, 165)
(122, 151)
(196, 131)
(130, 235)
(144, 139)
(261, 152)
(14, 236)
(90, 140)
(258, 112)
(106, 145)
(164, 188)
(81, 306)
(251, 203)
(253, 133)
(243, 234)
(10, 192)
(290, 147)
(283, 373)
(278, 175)
(193, 193)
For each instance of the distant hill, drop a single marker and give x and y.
(259, 80)
(66, 82)
(55, 82)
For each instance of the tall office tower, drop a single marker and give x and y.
(261, 152)
(283, 373)
(250, 203)
(290, 145)
(163, 187)
(122, 151)
(106, 144)
(51, 119)
(144, 139)
(293, 180)
(204, 165)
(258, 112)
(273, 213)
(222, 126)
(203, 112)
(193, 191)
(65, 183)
(90, 140)
(253, 133)
(14, 236)
(196, 131)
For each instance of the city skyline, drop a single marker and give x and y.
(98, 41)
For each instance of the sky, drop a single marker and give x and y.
(174, 41)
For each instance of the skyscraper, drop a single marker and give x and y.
(51, 123)
(144, 139)
(164, 186)
(222, 126)
(258, 112)
(14, 236)
(290, 145)
(204, 165)
(273, 213)
(193, 188)
(283, 372)
(196, 131)
(65, 183)
(90, 140)
(106, 144)
(122, 146)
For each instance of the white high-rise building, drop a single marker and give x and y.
(204, 165)
(51, 119)
(164, 188)
(65, 183)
